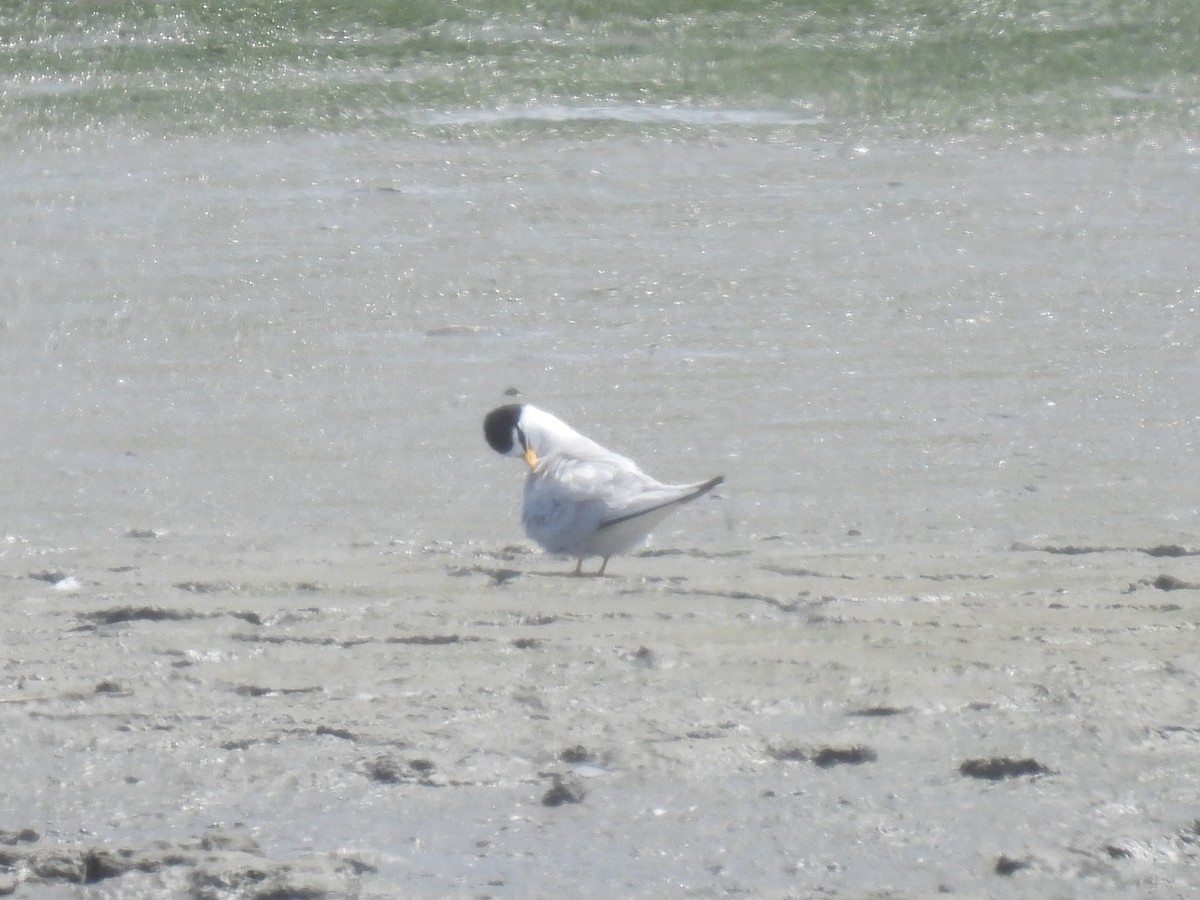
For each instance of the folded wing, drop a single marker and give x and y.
(598, 504)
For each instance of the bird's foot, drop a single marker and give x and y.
(579, 573)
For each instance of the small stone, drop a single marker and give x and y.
(1006, 865)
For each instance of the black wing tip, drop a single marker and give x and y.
(498, 427)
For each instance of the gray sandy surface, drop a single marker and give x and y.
(271, 628)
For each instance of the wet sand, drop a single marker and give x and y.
(439, 721)
(272, 630)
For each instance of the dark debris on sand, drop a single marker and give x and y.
(576, 755)
(880, 712)
(1171, 551)
(565, 790)
(997, 768)
(1171, 583)
(389, 769)
(220, 864)
(120, 614)
(825, 757)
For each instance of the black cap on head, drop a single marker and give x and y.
(499, 425)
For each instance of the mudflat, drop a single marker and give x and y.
(271, 627)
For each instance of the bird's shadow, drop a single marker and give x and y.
(501, 576)
(571, 575)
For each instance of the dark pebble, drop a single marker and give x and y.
(1006, 865)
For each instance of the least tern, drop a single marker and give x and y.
(582, 499)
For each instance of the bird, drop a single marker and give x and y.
(582, 499)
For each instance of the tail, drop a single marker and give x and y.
(702, 489)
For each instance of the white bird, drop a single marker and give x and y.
(581, 499)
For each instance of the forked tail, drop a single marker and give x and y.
(702, 489)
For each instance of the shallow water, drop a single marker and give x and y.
(1064, 67)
